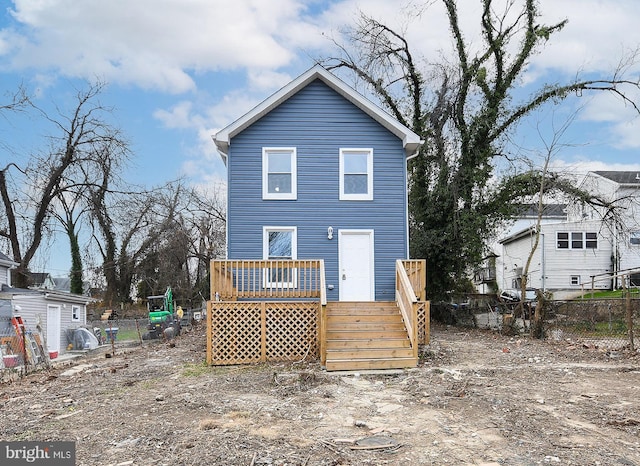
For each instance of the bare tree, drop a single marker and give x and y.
(76, 155)
(131, 228)
(181, 257)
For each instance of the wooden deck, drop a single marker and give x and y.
(277, 311)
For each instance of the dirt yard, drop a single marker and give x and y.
(477, 398)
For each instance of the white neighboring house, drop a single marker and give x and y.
(54, 311)
(624, 187)
(572, 252)
(500, 265)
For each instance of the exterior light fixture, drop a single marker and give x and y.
(330, 233)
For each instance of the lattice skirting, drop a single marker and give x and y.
(424, 322)
(250, 332)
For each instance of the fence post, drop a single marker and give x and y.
(629, 313)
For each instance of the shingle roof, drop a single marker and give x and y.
(620, 177)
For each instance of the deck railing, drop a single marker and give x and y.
(417, 273)
(268, 279)
(407, 303)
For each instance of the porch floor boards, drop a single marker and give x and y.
(366, 335)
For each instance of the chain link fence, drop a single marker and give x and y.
(603, 323)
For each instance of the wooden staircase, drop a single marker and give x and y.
(366, 335)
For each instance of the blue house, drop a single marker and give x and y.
(317, 171)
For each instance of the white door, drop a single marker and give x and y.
(356, 265)
(53, 328)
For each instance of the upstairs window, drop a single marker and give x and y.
(634, 238)
(562, 240)
(576, 240)
(279, 177)
(356, 174)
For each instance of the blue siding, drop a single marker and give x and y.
(318, 122)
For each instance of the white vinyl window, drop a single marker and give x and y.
(634, 237)
(280, 243)
(75, 313)
(576, 240)
(356, 174)
(279, 177)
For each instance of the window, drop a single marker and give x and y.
(75, 313)
(356, 174)
(575, 279)
(280, 243)
(591, 241)
(576, 240)
(563, 240)
(634, 237)
(279, 177)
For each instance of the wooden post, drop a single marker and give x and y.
(629, 313)
(24, 349)
(263, 333)
(209, 333)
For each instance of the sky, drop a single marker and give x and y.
(180, 70)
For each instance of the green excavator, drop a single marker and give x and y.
(164, 321)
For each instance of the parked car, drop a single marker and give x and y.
(512, 296)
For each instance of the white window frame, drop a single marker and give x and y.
(265, 174)
(575, 280)
(75, 313)
(368, 196)
(634, 238)
(572, 239)
(267, 283)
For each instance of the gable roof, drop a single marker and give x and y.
(410, 140)
(558, 211)
(621, 177)
(6, 261)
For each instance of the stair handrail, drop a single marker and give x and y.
(407, 302)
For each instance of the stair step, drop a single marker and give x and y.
(366, 335)
(371, 343)
(366, 308)
(343, 334)
(364, 364)
(368, 353)
(369, 326)
(350, 318)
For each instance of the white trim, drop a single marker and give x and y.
(75, 318)
(372, 283)
(583, 240)
(265, 174)
(53, 339)
(357, 197)
(410, 140)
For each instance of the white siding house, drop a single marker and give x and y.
(580, 252)
(52, 312)
(624, 188)
(6, 265)
(568, 255)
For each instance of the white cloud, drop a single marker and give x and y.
(155, 44)
(179, 116)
